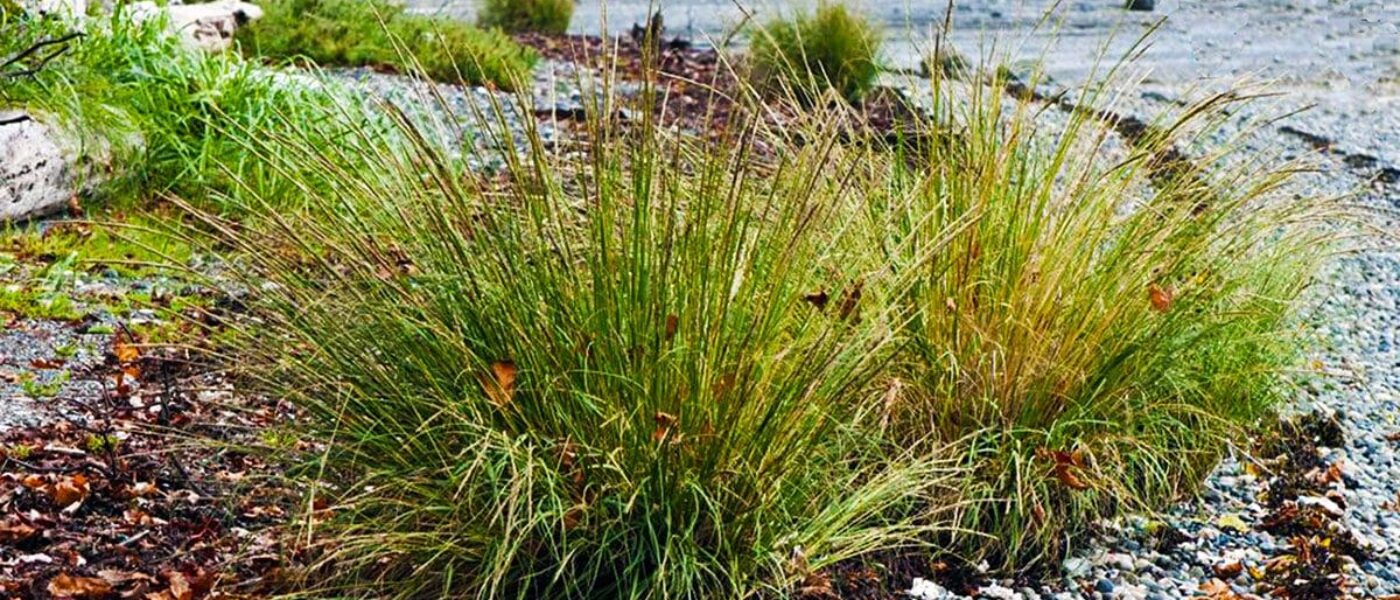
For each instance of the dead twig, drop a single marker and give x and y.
(61, 42)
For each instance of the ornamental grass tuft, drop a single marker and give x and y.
(527, 16)
(832, 49)
(653, 365)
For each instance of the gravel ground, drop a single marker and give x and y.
(46, 366)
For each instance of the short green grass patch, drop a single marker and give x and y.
(522, 16)
(159, 118)
(380, 34)
(833, 48)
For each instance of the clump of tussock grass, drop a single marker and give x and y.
(668, 367)
(380, 34)
(807, 55)
(522, 16)
(593, 376)
(1104, 331)
(168, 120)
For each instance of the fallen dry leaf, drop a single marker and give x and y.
(1216, 589)
(67, 586)
(179, 586)
(664, 423)
(1161, 298)
(116, 577)
(13, 532)
(47, 363)
(69, 490)
(124, 348)
(1229, 570)
(500, 385)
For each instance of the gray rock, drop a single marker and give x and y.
(39, 170)
(208, 26)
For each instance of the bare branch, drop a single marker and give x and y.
(62, 46)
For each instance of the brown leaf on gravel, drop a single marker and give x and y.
(1161, 298)
(1394, 437)
(1216, 589)
(67, 586)
(124, 349)
(1229, 570)
(500, 385)
(47, 363)
(128, 355)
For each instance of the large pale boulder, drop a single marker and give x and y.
(41, 169)
(207, 26)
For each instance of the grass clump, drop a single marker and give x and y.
(831, 49)
(154, 117)
(379, 34)
(666, 367)
(592, 377)
(522, 16)
(1108, 325)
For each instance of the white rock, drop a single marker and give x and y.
(1325, 504)
(38, 168)
(207, 27)
(999, 593)
(1130, 591)
(923, 589)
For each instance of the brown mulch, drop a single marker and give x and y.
(119, 501)
(694, 86)
(697, 89)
